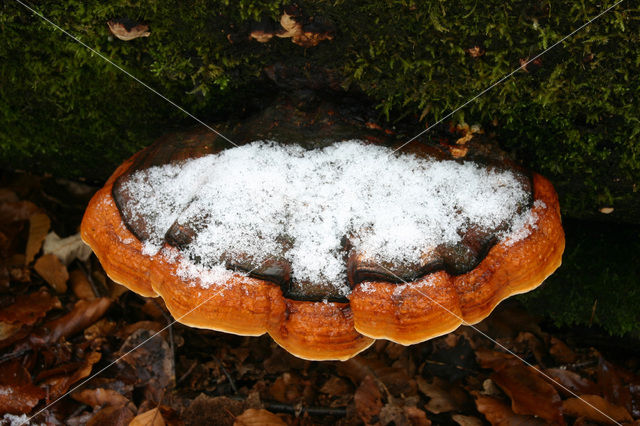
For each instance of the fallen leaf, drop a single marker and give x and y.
(152, 361)
(126, 29)
(530, 393)
(395, 379)
(576, 407)
(612, 382)
(66, 249)
(112, 416)
(572, 381)
(99, 397)
(335, 386)
(416, 416)
(29, 308)
(83, 314)
(80, 285)
(8, 330)
(466, 420)
(561, 352)
(443, 397)
(39, 224)
(287, 388)
(261, 417)
(495, 360)
(368, 400)
(499, 413)
(17, 394)
(53, 272)
(148, 418)
(58, 386)
(475, 51)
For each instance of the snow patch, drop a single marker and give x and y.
(266, 199)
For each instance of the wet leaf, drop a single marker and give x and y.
(416, 416)
(148, 418)
(83, 314)
(112, 416)
(578, 408)
(396, 380)
(572, 381)
(530, 393)
(99, 397)
(335, 386)
(495, 360)
(29, 308)
(613, 384)
(443, 397)
(151, 360)
(561, 352)
(499, 413)
(466, 420)
(368, 400)
(80, 285)
(39, 224)
(53, 272)
(58, 386)
(254, 417)
(17, 394)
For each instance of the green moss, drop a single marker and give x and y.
(597, 282)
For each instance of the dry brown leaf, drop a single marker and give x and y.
(17, 394)
(80, 285)
(254, 417)
(39, 224)
(416, 416)
(117, 416)
(530, 393)
(58, 386)
(561, 352)
(287, 388)
(127, 30)
(148, 418)
(396, 380)
(368, 400)
(475, 51)
(29, 308)
(615, 384)
(578, 408)
(443, 396)
(572, 381)
(152, 362)
(466, 420)
(8, 329)
(66, 249)
(499, 413)
(99, 397)
(335, 386)
(495, 360)
(83, 314)
(53, 272)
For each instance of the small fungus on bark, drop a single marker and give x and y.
(325, 248)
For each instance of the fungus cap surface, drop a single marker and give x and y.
(312, 245)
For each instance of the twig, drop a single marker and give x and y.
(313, 411)
(226, 373)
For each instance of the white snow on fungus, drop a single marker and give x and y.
(246, 201)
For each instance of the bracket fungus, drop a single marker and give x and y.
(325, 246)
